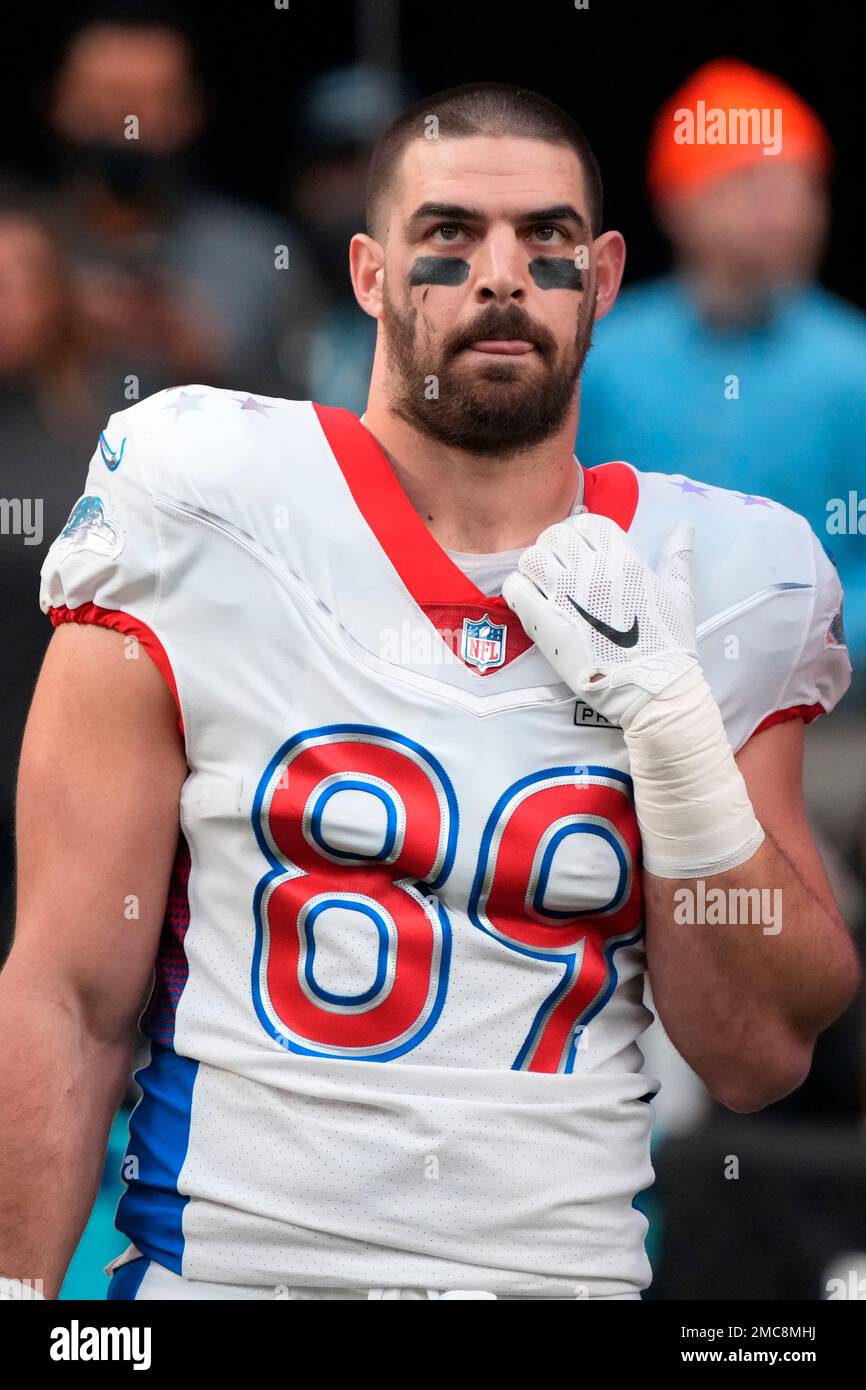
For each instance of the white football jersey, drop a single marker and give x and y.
(395, 1019)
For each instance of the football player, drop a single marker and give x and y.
(392, 745)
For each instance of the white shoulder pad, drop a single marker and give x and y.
(215, 452)
(767, 600)
(107, 554)
(228, 454)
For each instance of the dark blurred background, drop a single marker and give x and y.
(609, 65)
(130, 265)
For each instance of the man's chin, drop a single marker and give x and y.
(491, 422)
(490, 394)
(474, 362)
(487, 377)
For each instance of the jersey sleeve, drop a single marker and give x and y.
(820, 673)
(105, 566)
(783, 654)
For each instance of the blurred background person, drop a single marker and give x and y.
(178, 283)
(339, 115)
(50, 416)
(737, 368)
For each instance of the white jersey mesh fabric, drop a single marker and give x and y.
(588, 561)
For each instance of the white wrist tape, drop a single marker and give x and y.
(692, 805)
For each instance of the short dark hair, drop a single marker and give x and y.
(480, 108)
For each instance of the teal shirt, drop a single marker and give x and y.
(658, 392)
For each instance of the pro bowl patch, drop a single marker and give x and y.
(90, 528)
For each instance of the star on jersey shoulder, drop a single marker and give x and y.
(187, 400)
(250, 403)
(749, 501)
(686, 485)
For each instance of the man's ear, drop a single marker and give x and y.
(367, 266)
(609, 251)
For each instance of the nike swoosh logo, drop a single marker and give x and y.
(109, 457)
(613, 634)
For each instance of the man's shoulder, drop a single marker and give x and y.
(743, 541)
(680, 497)
(197, 431)
(206, 407)
(767, 598)
(682, 493)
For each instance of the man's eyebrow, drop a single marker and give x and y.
(455, 212)
(561, 212)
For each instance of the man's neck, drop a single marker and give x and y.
(480, 504)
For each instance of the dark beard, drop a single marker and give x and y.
(502, 421)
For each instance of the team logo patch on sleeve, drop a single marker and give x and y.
(836, 632)
(90, 528)
(482, 643)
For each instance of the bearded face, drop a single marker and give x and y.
(484, 403)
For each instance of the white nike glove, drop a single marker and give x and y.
(622, 636)
(615, 631)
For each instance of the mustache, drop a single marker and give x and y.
(508, 324)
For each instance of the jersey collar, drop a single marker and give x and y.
(428, 572)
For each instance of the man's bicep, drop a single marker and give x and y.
(102, 765)
(772, 766)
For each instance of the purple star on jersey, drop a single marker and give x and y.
(187, 400)
(250, 403)
(749, 501)
(688, 486)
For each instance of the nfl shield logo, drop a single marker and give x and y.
(483, 643)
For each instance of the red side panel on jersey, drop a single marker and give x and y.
(172, 966)
(131, 627)
(439, 587)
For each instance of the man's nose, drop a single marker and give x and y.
(500, 269)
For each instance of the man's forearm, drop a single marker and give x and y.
(749, 967)
(59, 1091)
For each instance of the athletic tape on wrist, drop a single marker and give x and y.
(692, 805)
